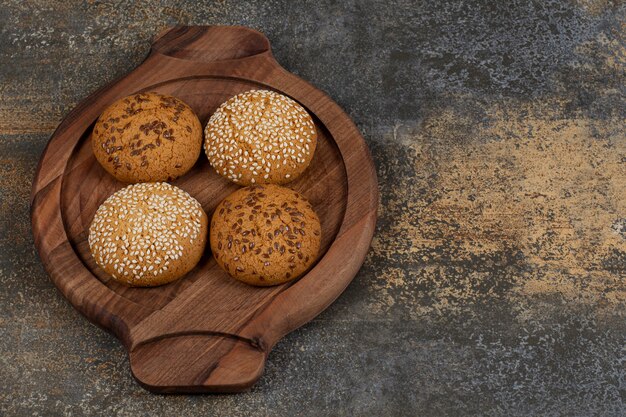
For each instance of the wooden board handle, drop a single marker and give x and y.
(219, 363)
(210, 44)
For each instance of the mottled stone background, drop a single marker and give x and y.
(496, 282)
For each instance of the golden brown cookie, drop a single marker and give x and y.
(265, 234)
(148, 234)
(260, 137)
(147, 137)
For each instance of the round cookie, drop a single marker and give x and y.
(147, 137)
(265, 235)
(148, 234)
(260, 137)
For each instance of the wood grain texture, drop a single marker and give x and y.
(205, 332)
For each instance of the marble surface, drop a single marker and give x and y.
(496, 281)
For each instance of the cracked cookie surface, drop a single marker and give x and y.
(260, 137)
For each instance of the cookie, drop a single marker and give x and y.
(148, 234)
(265, 235)
(147, 137)
(260, 137)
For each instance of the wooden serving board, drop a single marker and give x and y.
(206, 332)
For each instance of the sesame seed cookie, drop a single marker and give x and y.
(265, 235)
(260, 137)
(147, 137)
(148, 234)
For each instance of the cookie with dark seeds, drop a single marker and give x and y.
(147, 137)
(265, 235)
